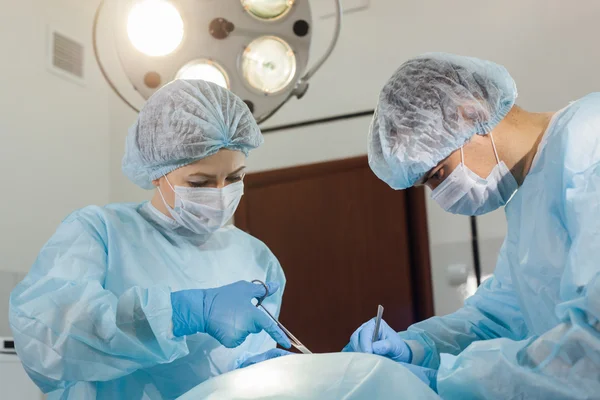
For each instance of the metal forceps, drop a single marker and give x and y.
(377, 323)
(295, 342)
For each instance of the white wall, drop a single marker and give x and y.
(54, 133)
(544, 43)
(548, 46)
(121, 189)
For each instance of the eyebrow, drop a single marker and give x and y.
(214, 176)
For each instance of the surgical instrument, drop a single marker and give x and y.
(295, 342)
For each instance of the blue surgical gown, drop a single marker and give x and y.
(92, 319)
(532, 331)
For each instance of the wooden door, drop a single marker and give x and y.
(347, 242)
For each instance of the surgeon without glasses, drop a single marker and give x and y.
(146, 301)
(532, 331)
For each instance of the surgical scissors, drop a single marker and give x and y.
(295, 342)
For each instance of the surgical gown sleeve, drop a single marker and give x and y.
(68, 328)
(492, 312)
(563, 362)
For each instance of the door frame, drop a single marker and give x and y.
(416, 216)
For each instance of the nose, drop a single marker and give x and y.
(221, 183)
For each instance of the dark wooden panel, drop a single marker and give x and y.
(342, 237)
(419, 253)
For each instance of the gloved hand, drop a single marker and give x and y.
(225, 313)
(389, 344)
(273, 353)
(427, 375)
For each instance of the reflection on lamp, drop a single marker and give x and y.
(155, 27)
(205, 70)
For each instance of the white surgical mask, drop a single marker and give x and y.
(204, 210)
(466, 193)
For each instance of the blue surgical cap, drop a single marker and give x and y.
(433, 105)
(183, 122)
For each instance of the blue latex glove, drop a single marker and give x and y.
(225, 313)
(273, 353)
(427, 375)
(389, 344)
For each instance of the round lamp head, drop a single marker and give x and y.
(269, 64)
(268, 9)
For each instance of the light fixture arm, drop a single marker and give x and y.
(263, 118)
(100, 65)
(302, 85)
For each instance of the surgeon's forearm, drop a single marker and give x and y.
(84, 333)
(536, 368)
(449, 334)
(492, 312)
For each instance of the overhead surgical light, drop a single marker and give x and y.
(257, 48)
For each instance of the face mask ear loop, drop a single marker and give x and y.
(163, 197)
(171, 186)
(494, 146)
(462, 156)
